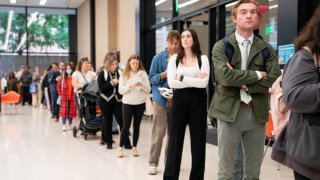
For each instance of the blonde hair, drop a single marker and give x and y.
(109, 59)
(127, 69)
(235, 7)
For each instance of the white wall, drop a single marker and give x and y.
(84, 30)
(115, 28)
(102, 34)
(126, 28)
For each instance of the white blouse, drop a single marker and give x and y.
(83, 78)
(134, 95)
(190, 74)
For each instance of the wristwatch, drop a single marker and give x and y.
(181, 78)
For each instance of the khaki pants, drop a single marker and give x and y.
(248, 132)
(36, 97)
(160, 123)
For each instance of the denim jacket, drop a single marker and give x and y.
(158, 65)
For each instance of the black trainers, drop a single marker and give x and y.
(102, 143)
(109, 146)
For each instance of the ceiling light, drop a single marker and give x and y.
(187, 3)
(42, 2)
(13, 1)
(159, 2)
(273, 6)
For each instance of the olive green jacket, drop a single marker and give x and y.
(226, 99)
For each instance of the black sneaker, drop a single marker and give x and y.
(101, 143)
(109, 146)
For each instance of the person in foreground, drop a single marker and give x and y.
(188, 74)
(298, 144)
(240, 102)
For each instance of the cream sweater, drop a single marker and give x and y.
(134, 95)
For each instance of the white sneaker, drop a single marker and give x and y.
(135, 152)
(152, 170)
(64, 128)
(69, 127)
(120, 152)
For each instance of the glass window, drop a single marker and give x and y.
(161, 37)
(269, 22)
(163, 10)
(12, 29)
(48, 30)
(187, 6)
(45, 29)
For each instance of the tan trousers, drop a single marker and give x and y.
(160, 124)
(36, 97)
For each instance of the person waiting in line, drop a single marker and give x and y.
(240, 102)
(158, 78)
(52, 79)
(36, 96)
(3, 83)
(135, 87)
(114, 122)
(25, 80)
(66, 92)
(110, 101)
(45, 88)
(12, 82)
(301, 94)
(189, 106)
(82, 76)
(238, 169)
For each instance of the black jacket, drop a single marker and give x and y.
(109, 90)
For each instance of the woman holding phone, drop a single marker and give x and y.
(135, 87)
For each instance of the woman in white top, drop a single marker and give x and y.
(135, 87)
(188, 74)
(82, 76)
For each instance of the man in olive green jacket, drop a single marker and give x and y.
(242, 119)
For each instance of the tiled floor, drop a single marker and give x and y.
(33, 147)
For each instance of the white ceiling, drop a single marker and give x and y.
(50, 3)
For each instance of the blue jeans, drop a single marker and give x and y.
(64, 120)
(114, 125)
(54, 105)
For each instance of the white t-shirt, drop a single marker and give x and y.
(83, 78)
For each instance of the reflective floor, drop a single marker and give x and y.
(33, 147)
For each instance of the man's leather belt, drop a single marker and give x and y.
(243, 104)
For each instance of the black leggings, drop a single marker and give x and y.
(108, 109)
(127, 112)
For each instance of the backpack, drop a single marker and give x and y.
(279, 111)
(229, 51)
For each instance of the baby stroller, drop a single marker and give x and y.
(90, 115)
